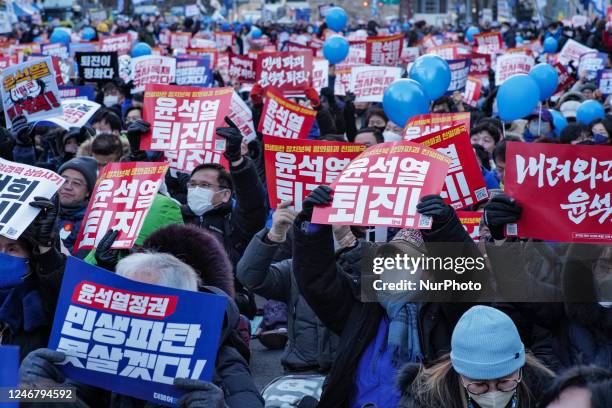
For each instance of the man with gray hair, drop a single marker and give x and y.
(159, 269)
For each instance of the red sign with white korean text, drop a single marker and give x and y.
(565, 79)
(422, 125)
(385, 51)
(471, 222)
(283, 118)
(480, 64)
(565, 191)
(120, 201)
(121, 43)
(180, 41)
(383, 186)
(242, 68)
(296, 167)
(489, 43)
(471, 94)
(224, 39)
(289, 72)
(464, 184)
(185, 117)
(509, 65)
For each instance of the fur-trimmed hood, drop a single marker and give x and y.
(200, 250)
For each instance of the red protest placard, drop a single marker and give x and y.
(489, 43)
(242, 68)
(283, 118)
(296, 167)
(385, 50)
(383, 186)
(422, 125)
(471, 94)
(509, 65)
(289, 72)
(565, 79)
(565, 191)
(464, 184)
(121, 43)
(120, 201)
(471, 222)
(480, 65)
(224, 39)
(180, 41)
(185, 117)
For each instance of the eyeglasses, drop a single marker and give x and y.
(482, 387)
(193, 184)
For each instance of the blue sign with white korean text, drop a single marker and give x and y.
(134, 338)
(78, 92)
(194, 71)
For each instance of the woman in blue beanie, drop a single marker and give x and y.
(486, 368)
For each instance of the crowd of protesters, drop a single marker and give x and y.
(212, 231)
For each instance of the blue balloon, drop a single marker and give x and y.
(336, 18)
(433, 73)
(547, 79)
(405, 26)
(88, 34)
(518, 39)
(225, 27)
(335, 49)
(517, 97)
(256, 32)
(141, 49)
(60, 36)
(404, 99)
(550, 45)
(559, 121)
(471, 32)
(590, 110)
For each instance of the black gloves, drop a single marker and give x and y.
(202, 394)
(233, 139)
(322, 195)
(39, 367)
(43, 230)
(21, 131)
(134, 133)
(498, 212)
(435, 207)
(106, 257)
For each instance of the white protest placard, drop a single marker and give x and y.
(77, 113)
(19, 184)
(572, 51)
(242, 116)
(512, 64)
(320, 73)
(368, 83)
(152, 69)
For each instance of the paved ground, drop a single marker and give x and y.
(265, 364)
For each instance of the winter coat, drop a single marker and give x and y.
(330, 290)
(311, 345)
(69, 224)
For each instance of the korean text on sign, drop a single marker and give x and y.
(471, 222)
(283, 118)
(383, 186)
(242, 68)
(296, 167)
(152, 69)
(369, 83)
(97, 66)
(121, 43)
(422, 125)
(289, 72)
(384, 51)
(121, 200)
(76, 113)
(134, 338)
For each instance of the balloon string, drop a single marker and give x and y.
(539, 119)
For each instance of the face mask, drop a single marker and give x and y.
(504, 30)
(13, 270)
(607, 305)
(199, 199)
(111, 100)
(150, 29)
(599, 139)
(495, 399)
(391, 136)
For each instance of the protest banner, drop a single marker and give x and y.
(572, 51)
(59, 50)
(343, 80)
(185, 117)
(152, 69)
(609, 14)
(77, 92)
(460, 69)
(604, 82)
(120, 43)
(223, 66)
(289, 72)
(464, 184)
(296, 167)
(564, 190)
(423, 125)
(193, 70)
(320, 73)
(410, 54)
(99, 324)
(489, 43)
(590, 64)
(384, 50)
(82, 47)
(242, 117)
(242, 68)
(77, 113)
(283, 118)
(430, 41)
(369, 83)
(223, 40)
(471, 94)
(565, 79)
(30, 89)
(180, 41)
(509, 65)
(471, 222)
(19, 184)
(450, 51)
(197, 42)
(98, 66)
(187, 160)
(211, 53)
(294, 46)
(480, 65)
(6, 61)
(120, 201)
(383, 186)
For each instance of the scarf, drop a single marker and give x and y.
(403, 336)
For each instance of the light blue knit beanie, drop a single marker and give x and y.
(486, 345)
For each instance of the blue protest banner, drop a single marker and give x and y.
(78, 92)
(194, 71)
(134, 338)
(9, 378)
(604, 81)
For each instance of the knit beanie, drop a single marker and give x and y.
(87, 166)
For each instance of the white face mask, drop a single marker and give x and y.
(111, 100)
(391, 136)
(607, 305)
(199, 199)
(495, 399)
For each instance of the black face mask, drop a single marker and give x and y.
(379, 128)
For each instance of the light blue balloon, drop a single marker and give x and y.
(547, 79)
(433, 73)
(517, 97)
(256, 32)
(559, 121)
(405, 26)
(550, 45)
(518, 39)
(588, 111)
(88, 34)
(335, 49)
(471, 32)
(336, 18)
(140, 49)
(225, 27)
(404, 99)
(60, 36)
